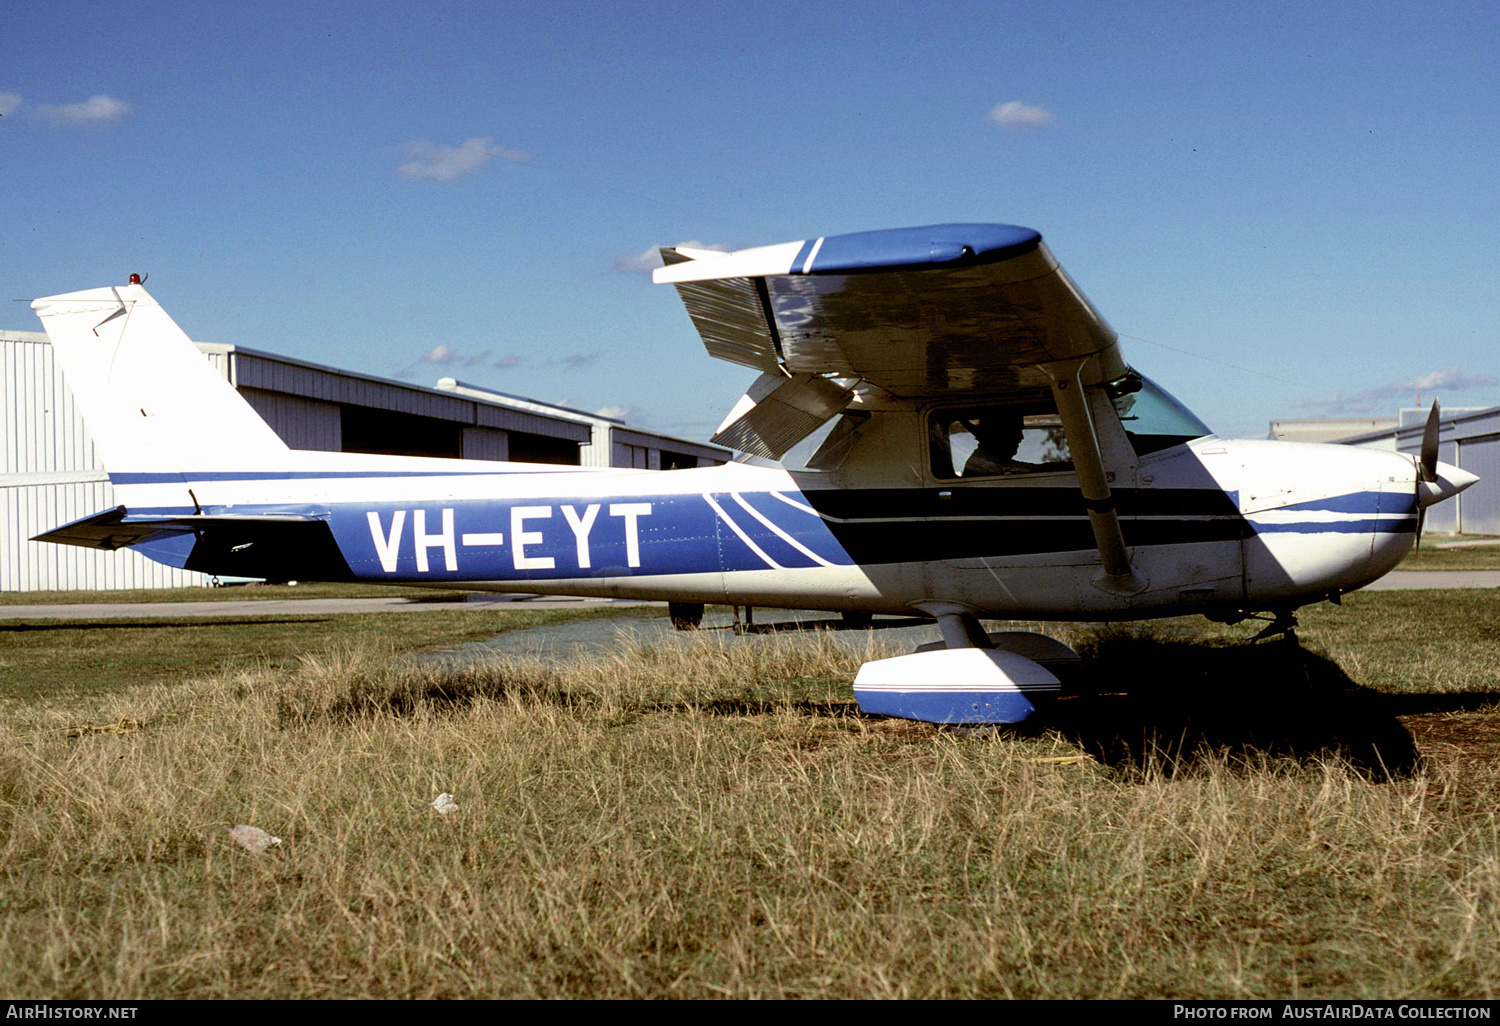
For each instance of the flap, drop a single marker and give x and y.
(779, 411)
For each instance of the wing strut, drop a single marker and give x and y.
(1083, 443)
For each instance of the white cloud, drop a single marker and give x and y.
(649, 259)
(644, 262)
(91, 111)
(444, 355)
(9, 102)
(615, 412)
(445, 163)
(1453, 379)
(1015, 116)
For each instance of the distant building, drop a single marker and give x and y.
(50, 474)
(1326, 429)
(612, 443)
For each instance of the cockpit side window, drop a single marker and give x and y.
(997, 441)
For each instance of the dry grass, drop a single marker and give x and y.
(715, 819)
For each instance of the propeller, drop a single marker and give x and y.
(1427, 464)
(1430, 443)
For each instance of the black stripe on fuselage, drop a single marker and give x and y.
(897, 525)
(886, 503)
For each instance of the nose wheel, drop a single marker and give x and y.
(1283, 623)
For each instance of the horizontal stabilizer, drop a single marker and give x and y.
(107, 530)
(275, 546)
(779, 411)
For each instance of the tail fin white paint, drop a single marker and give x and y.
(159, 413)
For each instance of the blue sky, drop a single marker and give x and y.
(1285, 209)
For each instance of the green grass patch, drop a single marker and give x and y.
(1397, 641)
(1459, 553)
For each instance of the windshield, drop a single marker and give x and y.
(1152, 418)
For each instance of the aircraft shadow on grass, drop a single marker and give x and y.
(1168, 705)
(1138, 702)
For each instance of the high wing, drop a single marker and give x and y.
(945, 310)
(962, 311)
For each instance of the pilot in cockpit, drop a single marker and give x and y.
(998, 436)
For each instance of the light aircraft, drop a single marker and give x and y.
(993, 455)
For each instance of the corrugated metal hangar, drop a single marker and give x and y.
(51, 474)
(1470, 440)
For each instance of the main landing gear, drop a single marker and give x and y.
(969, 677)
(685, 616)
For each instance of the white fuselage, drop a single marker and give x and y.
(1213, 525)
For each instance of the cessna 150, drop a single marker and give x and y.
(993, 456)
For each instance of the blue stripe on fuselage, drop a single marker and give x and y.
(545, 539)
(1397, 526)
(1355, 502)
(805, 528)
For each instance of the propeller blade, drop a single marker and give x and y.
(1430, 443)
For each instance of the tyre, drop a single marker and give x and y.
(686, 616)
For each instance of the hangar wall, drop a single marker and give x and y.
(1480, 505)
(611, 443)
(50, 474)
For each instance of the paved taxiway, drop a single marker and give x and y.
(1408, 580)
(1399, 580)
(297, 607)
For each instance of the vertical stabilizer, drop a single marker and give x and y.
(159, 413)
